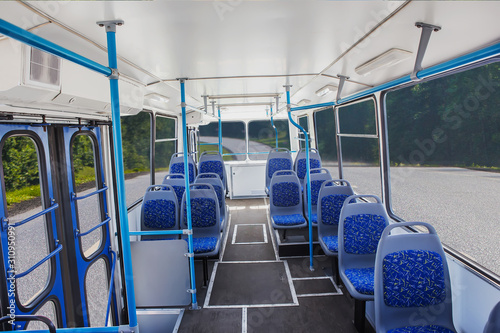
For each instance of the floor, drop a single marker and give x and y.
(252, 289)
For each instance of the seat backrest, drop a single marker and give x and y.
(204, 211)
(300, 162)
(177, 165)
(178, 184)
(331, 197)
(214, 180)
(360, 226)
(277, 159)
(159, 211)
(285, 197)
(318, 177)
(211, 161)
(411, 280)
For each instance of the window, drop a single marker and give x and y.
(233, 139)
(303, 122)
(136, 134)
(97, 289)
(325, 139)
(359, 147)
(23, 180)
(165, 145)
(444, 145)
(262, 137)
(85, 182)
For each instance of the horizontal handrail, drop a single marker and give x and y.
(50, 255)
(32, 217)
(74, 197)
(78, 234)
(159, 232)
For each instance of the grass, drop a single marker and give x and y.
(23, 194)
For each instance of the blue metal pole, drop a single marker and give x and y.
(308, 178)
(35, 41)
(120, 176)
(220, 132)
(275, 129)
(194, 302)
(312, 106)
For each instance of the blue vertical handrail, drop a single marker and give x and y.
(275, 129)
(220, 133)
(308, 178)
(194, 302)
(110, 293)
(120, 179)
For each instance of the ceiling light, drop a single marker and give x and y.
(304, 102)
(157, 98)
(386, 59)
(326, 90)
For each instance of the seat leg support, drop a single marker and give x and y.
(359, 315)
(205, 271)
(335, 270)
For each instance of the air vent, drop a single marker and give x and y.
(44, 69)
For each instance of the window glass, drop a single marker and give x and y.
(165, 146)
(325, 139)
(209, 139)
(444, 144)
(88, 209)
(262, 137)
(303, 122)
(358, 118)
(47, 310)
(360, 154)
(233, 139)
(97, 289)
(136, 135)
(20, 162)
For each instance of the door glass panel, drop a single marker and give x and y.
(89, 209)
(303, 122)
(97, 288)
(47, 310)
(20, 163)
(165, 146)
(136, 134)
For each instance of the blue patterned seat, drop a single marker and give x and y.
(285, 201)
(361, 224)
(318, 177)
(331, 243)
(176, 166)
(214, 180)
(412, 280)
(300, 162)
(278, 159)
(205, 219)
(330, 200)
(212, 162)
(159, 212)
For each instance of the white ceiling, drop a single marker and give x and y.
(202, 39)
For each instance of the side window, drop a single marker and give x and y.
(262, 137)
(234, 145)
(208, 138)
(136, 133)
(357, 128)
(165, 145)
(89, 212)
(444, 145)
(23, 185)
(325, 139)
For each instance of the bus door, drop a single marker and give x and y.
(31, 278)
(90, 221)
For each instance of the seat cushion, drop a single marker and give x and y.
(314, 218)
(413, 278)
(159, 214)
(212, 166)
(301, 166)
(332, 243)
(179, 168)
(288, 220)
(421, 329)
(203, 212)
(285, 194)
(362, 279)
(362, 233)
(203, 244)
(331, 205)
